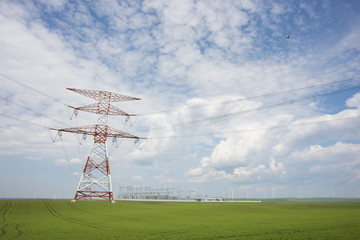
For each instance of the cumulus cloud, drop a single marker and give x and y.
(138, 178)
(275, 154)
(341, 156)
(64, 162)
(354, 101)
(163, 179)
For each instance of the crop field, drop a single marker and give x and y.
(61, 219)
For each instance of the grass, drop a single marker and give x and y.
(61, 219)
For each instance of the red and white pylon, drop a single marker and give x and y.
(95, 181)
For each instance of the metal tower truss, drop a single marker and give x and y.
(101, 132)
(108, 110)
(99, 95)
(95, 181)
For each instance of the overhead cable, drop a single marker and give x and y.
(256, 129)
(33, 89)
(259, 108)
(29, 109)
(25, 121)
(253, 97)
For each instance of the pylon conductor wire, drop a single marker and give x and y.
(95, 181)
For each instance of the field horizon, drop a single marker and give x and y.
(285, 199)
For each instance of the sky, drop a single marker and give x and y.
(230, 106)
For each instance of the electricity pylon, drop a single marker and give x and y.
(95, 180)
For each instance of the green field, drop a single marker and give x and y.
(61, 219)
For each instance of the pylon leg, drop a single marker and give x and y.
(95, 181)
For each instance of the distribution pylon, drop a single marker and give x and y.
(95, 181)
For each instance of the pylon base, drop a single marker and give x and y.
(107, 195)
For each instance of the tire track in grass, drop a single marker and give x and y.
(3, 213)
(4, 210)
(53, 212)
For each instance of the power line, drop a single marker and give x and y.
(33, 89)
(19, 105)
(259, 108)
(28, 109)
(255, 129)
(254, 97)
(199, 106)
(213, 133)
(22, 120)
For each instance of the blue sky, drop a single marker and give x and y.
(204, 71)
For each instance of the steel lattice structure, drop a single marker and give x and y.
(95, 180)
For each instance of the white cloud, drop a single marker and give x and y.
(328, 155)
(56, 5)
(138, 178)
(195, 171)
(354, 101)
(335, 164)
(250, 157)
(277, 9)
(64, 162)
(163, 179)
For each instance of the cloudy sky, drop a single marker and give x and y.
(229, 103)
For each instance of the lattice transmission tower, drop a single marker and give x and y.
(95, 181)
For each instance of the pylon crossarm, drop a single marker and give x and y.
(99, 95)
(103, 131)
(87, 130)
(113, 132)
(94, 108)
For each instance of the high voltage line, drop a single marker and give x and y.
(226, 115)
(253, 97)
(19, 105)
(259, 108)
(204, 105)
(199, 106)
(213, 133)
(256, 129)
(33, 89)
(29, 109)
(23, 120)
